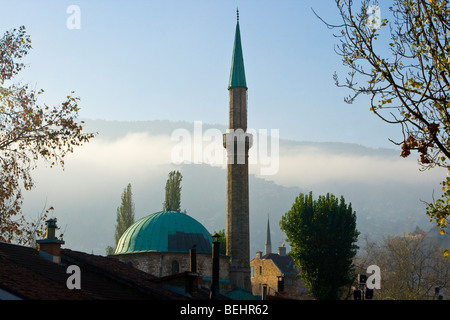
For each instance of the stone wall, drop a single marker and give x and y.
(161, 264)
(265, 271)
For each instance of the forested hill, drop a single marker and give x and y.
(385, 190)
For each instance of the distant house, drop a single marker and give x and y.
(276, 274)
(46, 274)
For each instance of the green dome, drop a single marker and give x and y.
(165, 231)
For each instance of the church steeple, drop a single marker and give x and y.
(268, 246)
(237, 73)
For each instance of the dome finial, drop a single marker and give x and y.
(237, 14)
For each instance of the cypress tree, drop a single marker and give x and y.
(125, 213)
(172, 200)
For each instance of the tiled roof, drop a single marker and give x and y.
(25, 274)
(28, 276)
(284, 263)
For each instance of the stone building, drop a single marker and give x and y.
(274, 274)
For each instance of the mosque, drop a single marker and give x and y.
(160, 243)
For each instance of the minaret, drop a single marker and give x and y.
(268, 246)
(237, 142)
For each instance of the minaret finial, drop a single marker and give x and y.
(237, 73)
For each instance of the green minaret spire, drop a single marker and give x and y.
(237, 73)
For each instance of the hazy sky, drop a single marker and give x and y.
(147, 60)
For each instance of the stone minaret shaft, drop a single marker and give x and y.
(237, 142)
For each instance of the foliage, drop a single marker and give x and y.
(109, 250)
(406, 77)
(322, 235)
(222, 240)
(411, 265)
(37, 229)
(125, 213)
(28, 132)
(172, 200)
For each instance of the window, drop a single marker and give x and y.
(260, 270)
(252, 271)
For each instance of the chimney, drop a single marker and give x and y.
(258, 255)
(282, 250)
(193, 259)
(50, 247)
(192, 275)
(214, 292)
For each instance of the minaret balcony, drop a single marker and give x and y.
(237, 142)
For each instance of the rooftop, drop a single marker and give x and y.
(24, 274)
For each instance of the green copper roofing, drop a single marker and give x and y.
(165, 231)
(237, 74)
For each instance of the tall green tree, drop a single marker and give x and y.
(125, 213)
(322, 235)
(172, 200)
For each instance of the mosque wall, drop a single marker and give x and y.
(161, 264)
